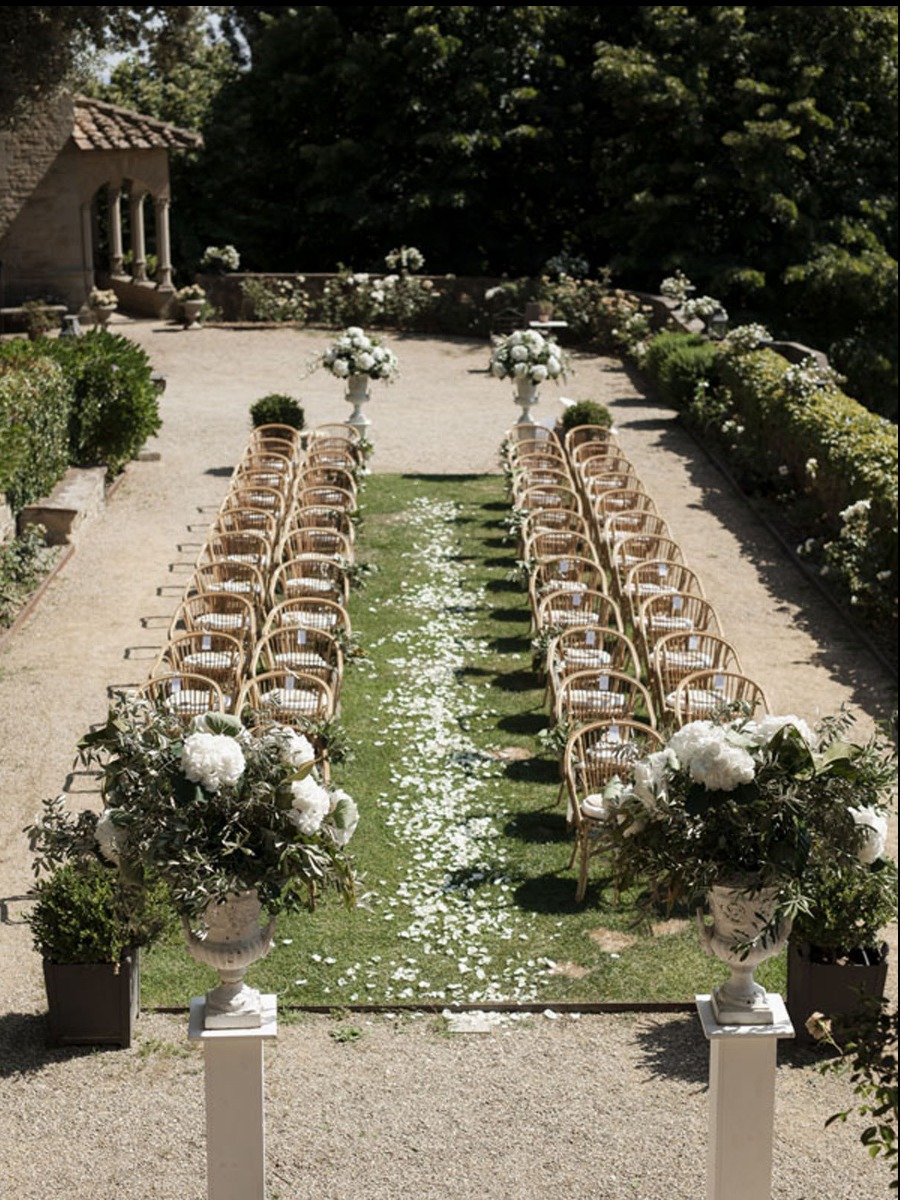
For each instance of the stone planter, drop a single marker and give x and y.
(833, 989)
(92, 1004)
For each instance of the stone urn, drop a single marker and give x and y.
(742, 935)
(192, 312)
(526, 398)
(230, 939)
(102, 313)
(358, 395)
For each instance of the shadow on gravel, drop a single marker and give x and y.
(675, 1049)
(22, 1046)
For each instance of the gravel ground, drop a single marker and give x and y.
(605, 1107)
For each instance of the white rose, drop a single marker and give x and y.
(875, 828)
(213, 760)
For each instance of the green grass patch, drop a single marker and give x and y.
(462, 849)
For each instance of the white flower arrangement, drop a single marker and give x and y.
(405, 259)
(214, 809)
(676, 287)
(703, 307)
(744, 338)
(191, 291)
(357, 353)
(102, 298)
(527, 354)
(742, 799)
(220, 258)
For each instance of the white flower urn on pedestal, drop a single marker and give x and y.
(739, 937)
(192, 312)
(358, 395)
(230, 940)
(526, 398)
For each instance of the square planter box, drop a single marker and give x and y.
(92, 1004)
(833, 989)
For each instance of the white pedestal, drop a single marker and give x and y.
(742, 1062)
(235, 1103)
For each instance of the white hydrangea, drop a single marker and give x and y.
(110, 837)
(295, 749)
(211, 759)
(650, 775)
(761, 732)
(875, 829)
(310, 805)
(702, 749)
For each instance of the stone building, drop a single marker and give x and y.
(84, 198)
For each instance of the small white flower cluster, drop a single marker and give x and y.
(357, 353)
(220, 258)
(527, 354)
(744, 338)
(803, 380)
(405, 258)
(703, 307)
(103, 298)
(856, 512)
(875, 828)
(676, 287)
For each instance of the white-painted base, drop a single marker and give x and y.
(742, 1062)
(235, 1103)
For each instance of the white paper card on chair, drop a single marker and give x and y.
(301, 637)
(590, 638)
(576, 599)
(603, 683)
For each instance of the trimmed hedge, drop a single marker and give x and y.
(36, 400)
(677, 362)
(116, 405)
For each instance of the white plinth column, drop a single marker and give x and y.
(742, 1062)
(235, 1103)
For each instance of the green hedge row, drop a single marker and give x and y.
(790, 430)
(71, 401)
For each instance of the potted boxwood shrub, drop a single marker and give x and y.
(836, 954)
(277, 409)
(88, 923)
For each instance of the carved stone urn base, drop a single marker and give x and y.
(231, 940)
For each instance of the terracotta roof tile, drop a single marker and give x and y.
(101, 126)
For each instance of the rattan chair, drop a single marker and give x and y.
(243, 520)
(309, 612)
(288, 697)
(563, 572)
(243, 546)
(211, 655)
(588, 648)
(315, 542)
(320, 516)
(184, 694)
(600, 695)
(586, 439)
(549, 496)
(562, 609)
(717, 695)
(677, 655)
(673, 612)
(217, 612)
(655, 577)
(229, 575)
(295, 648)
(308, 576)
(595, 754)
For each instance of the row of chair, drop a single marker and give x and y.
(631, 641)
(262, 624)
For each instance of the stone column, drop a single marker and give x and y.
(163, 245)
(116, 257)
(138, 248)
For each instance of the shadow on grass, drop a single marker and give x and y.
(511, 616)
(494, 586)
(510, 645)
(533, 770)
(539, 828)
(529, 723)
(516, 681)
(554, 894)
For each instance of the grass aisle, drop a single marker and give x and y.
(462, 849)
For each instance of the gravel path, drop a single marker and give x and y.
(602, 1107)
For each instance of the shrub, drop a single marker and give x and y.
(277, 300)
(585, 412)
(277, 409)
(85, 913)
(115, 400)
(35, 406)
(23, 563)
(677, 362)
(848, 909)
